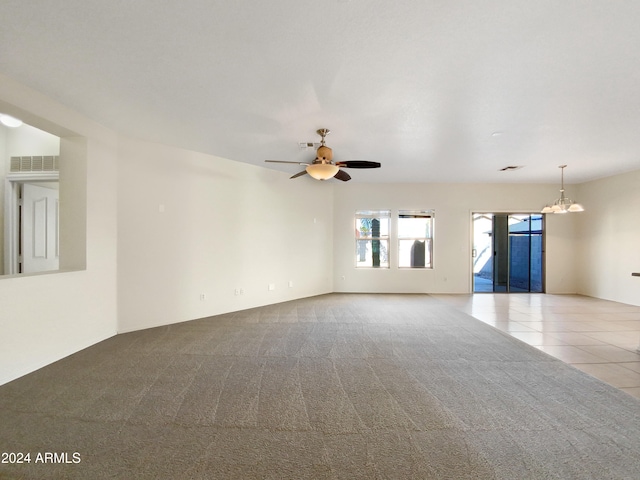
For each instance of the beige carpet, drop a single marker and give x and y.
(341, 386)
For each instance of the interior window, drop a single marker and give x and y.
(29, 200)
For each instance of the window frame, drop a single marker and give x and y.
(427, 238)
(361, 236)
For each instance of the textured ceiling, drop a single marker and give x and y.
(438, 91)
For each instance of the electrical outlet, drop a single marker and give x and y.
(272, 286)
(203, 297)
(242, 291)
(237, 292)
(290, 283)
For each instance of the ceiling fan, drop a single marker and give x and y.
(323, 167)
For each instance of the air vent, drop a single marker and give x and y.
(15, 164)
(48, 163)
(510, 168)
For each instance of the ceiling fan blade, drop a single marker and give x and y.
(283, 161)
(299, 174)
(358, 164)
(342, 175)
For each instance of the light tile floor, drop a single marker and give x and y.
(599, 337)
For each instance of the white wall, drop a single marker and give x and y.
(453, 205)
(225, 226)
(609, 238)
(46, 317)
(27, 140)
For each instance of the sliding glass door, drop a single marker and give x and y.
(508, 252)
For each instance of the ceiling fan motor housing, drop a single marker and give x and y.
(324, 153)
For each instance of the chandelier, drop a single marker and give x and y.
(563, 204)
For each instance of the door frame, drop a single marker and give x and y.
(13, 184)
(508, 212)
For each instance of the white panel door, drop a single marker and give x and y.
(39, 229)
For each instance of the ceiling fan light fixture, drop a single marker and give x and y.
(323, 167)
(322, 171)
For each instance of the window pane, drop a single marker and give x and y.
(369, 227)
(414, 253)
(414, 225)
(372, 226)
(372, 253)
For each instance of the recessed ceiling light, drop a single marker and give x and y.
(9, 121)
(510, 168)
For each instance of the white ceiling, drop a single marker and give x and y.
(435, 90)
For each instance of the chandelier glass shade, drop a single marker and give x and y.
(563, 204)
